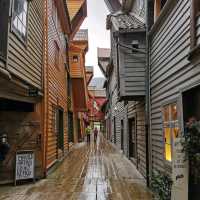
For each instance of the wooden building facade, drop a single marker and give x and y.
(174, 84)
(126, 84)
(35, 81)
(21, 83)
(57, 31)
(76, 71)
(78, 49)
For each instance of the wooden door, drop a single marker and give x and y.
(122, 135)
(60, 130)
(70, 127)
(115, 137)
(132, 140)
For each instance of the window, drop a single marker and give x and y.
(54, 14)
(195, 12)
(57, 55)
(141, 4)
(170, 127)
(4, 21)
(20, 17)
(75, 59)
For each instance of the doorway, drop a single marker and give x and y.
(122, 135)
(115, 137)
(60, 137)
(132, 140)
(70, 127)
(191, 109)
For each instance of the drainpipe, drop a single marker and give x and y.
(147, 100)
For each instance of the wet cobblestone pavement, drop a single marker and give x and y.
(90, 172)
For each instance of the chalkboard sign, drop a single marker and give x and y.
(25, 166)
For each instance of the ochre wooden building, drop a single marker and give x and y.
(57, 30)
(77, 51)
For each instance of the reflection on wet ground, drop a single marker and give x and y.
(90, 172)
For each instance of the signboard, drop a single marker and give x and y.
(25, 165)
(179, 172)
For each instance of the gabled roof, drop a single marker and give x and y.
(74, 6)
(97, 83)
(103, 53)
(80, 40)
(77, 13)
(125, 22)
(81, 35)
(113, 5)
(89, 69)
(89, 73)
(103, 59)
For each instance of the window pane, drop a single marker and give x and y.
(174, 112)
(168, 146)
(175, 132)
(24, 18)
(168, 154)
(25, 6)
(166, 113)
(168, 135)
(20, 17)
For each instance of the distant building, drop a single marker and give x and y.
(97, 98)
(124, 68)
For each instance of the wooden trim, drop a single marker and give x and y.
(14, 31)
(166, 9)
(157, 9)
(167, 164)
(195, 51)
(193, 25)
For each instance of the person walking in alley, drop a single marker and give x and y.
(95, 134)
(88, 132)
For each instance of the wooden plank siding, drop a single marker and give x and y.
(170, 70)
(25, 59)
(198, 30)
(56, 88)
(132, 67)
(117, 110)
(136, 109)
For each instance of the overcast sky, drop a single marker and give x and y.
(98, 35)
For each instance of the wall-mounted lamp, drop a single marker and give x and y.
(4, 146)
(115, 109)
(135, 45)
(3, 138)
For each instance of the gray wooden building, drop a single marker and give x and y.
(126, 87)
(174, 82)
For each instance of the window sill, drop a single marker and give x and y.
(194, 52)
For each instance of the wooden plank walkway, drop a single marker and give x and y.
(90, 172)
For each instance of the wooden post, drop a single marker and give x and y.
(157, 9)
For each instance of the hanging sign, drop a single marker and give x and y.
(25, 165)
(179, 172)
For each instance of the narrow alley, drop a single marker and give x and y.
(96, 171)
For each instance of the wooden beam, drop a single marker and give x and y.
(157, 9)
